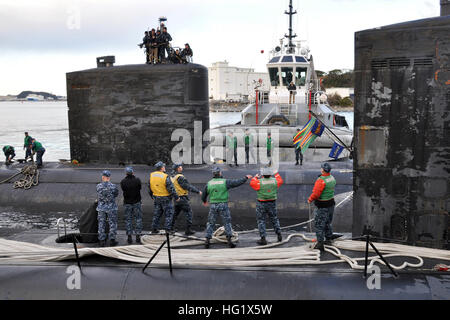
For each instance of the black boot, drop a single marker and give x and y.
(280, 237)
(230, 243)
(207, 243)
(189, 232)
(335, 236)
(155, 231)
(262, 241)
(129, 240)
(296, 163)
(101, 243)
(113, 243)
(319, 246)
(138, 239)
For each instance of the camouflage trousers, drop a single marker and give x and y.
(183, 206)
(263, 209)
(222, 210)
(322, 223)
(133, 212)
(112, 220)
(163, 205)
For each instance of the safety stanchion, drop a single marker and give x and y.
(159, 249)
(368, 242)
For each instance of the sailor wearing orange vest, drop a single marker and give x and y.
(182, 187)
(161, 189)
(323, 197)
(267, 191)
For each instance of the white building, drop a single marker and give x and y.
(233, 83)
(343, 92)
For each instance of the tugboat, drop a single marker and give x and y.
(274, 112)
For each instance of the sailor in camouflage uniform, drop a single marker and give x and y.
(323, 197)
(162, 191)
(182, 187)
(267, 191)
(217, 190)
(107, 207)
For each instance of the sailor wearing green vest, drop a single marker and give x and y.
(182, 187)
(217, 190)
(231, 147)
(267, 191)
(323, 197)
(248, 143)
(27, 144)
(9, 154)
(269, 145)
(37, 148)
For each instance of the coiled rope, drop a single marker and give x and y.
(30, 179)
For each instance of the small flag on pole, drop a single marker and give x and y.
(306, 136)
(336, 150)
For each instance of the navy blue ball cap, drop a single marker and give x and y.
(175, 166)
(326, 167)
(216, 170)
(106, 173)
(159, 165)
(129, 170)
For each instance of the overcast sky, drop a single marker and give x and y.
(41, 40)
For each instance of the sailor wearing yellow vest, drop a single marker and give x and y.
(161, 189)
(217, 190)
(182, 187)
(267, 191)
(323, 197)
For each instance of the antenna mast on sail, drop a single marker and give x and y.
(291, 45)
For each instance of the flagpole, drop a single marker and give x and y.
(330, 131)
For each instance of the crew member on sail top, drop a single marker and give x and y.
(217, 190)
(153, 47)
(9, 154)
(323, 197)
(182, 187)
(165, 38)
(292, 92)
(186, 53)
(266, 205)
(162, 191)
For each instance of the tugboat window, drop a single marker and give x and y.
(274, 77)
(299, 59)
(287, 59)
(274, 60)
(300, 76)
(287, 75)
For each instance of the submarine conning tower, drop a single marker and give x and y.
(127, 114)
(402, 129)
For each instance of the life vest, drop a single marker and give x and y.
(328, 192)
(180, 191)
(158, 184)
(268, 189)
(217, 190)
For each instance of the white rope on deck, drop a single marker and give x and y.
(268, 255)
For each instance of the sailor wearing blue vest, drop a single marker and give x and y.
(162, 191)
(217, 190)
(323, 197)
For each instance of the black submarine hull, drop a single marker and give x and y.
(67, 188)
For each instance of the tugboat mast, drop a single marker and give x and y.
(291, 46)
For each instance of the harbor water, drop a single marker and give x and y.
(47, 121)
